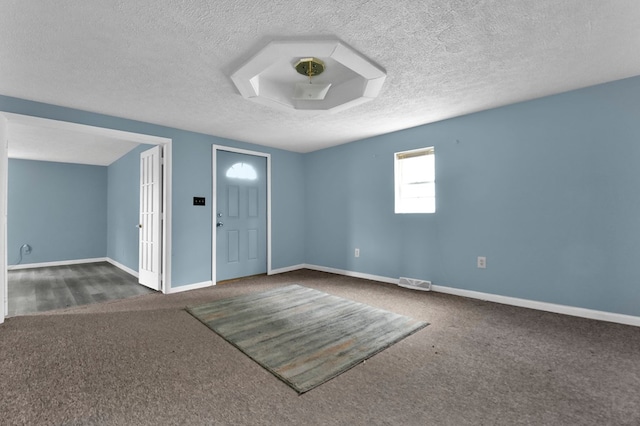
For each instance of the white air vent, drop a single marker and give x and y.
(415, 284)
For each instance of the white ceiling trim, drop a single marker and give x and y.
(269, 77)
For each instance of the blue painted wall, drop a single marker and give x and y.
(59, 209)
(288, 200)
(123, 207)
(192, 165)
(547, 190)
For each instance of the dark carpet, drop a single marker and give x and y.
(304, 336)
(146, 361)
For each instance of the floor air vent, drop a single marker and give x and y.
(415, 284)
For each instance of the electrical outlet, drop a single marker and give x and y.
(482, 262)
(357, 252)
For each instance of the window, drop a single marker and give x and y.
(415, 181)
(242, 171)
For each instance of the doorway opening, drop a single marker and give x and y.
(99, 141)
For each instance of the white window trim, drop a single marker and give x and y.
(399, 208)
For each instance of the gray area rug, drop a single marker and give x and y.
(304, 336)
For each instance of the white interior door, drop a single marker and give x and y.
(150, 254)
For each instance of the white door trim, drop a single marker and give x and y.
(165, 278)
(4, 165)
(214, 206)
(117, 134)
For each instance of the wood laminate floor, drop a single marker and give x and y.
(45, 289)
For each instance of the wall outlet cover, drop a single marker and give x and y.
(482, 262)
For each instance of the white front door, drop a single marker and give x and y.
(150, 254)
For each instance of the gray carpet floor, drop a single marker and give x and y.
(146, 361)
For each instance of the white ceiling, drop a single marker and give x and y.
(168, 62)
(36, 139)
(40, 139)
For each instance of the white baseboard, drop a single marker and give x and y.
(124, 268)
(188, 287)
(542, 306)
(288, 269)
(57, 263)
(505, 300)
(352, 274)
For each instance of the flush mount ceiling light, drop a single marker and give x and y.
(313, 92)
(273, 76)
(309, 67)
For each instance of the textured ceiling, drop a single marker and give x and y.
(169, 61)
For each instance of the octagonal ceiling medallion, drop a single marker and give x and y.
(271, 78)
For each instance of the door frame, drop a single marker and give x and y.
(214, 202)
(5, 118)
(4, 166)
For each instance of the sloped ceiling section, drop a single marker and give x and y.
(169, 62)
(64, 146)
(32, 138)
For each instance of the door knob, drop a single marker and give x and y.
(219, 224)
